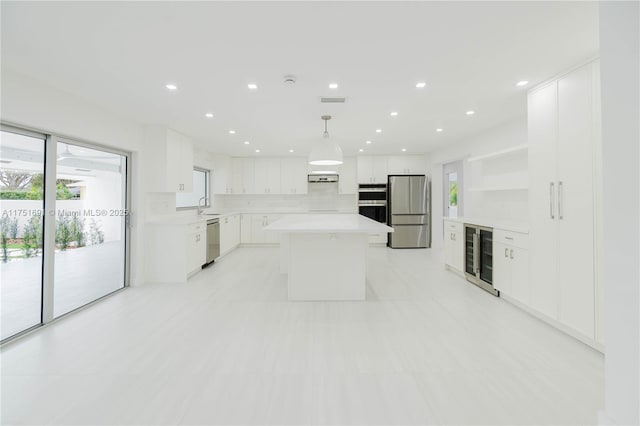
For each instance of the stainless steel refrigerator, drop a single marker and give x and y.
(409, 211)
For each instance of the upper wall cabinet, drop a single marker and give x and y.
(293, 176)
(221, 180)
(266, 176)
(170, 161)
(242, 175)
(406, 165)
(372, 169)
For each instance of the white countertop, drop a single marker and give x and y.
(178, 220)
(507, 225)
(332, 223)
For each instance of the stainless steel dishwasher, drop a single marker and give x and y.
(213, 240)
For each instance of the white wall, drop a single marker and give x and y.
(29, 103)
(620, 68)
(510, 206)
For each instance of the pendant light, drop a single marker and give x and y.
(326, 152)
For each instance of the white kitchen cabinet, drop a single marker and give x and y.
(242, 175)
(245, 228)
(378, 238)
(347, 177)
(170, 161)
(454, 245)
(266, 176)
(562, 139)
(293, 176)
(196, 247)
(253, 228)
(222, 179)
(175, 250)
(229, 233)
(511, 265)
(406, 165)
(372, 169)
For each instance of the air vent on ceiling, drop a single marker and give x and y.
(333, 100)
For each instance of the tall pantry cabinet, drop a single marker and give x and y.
(564, 133)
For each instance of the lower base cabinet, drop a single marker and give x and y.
(252, 228)
(511, 265)
(175, 251)
(454, 245)
(378, 238)
(229, 233)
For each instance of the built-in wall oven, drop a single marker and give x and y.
(478, 256)
(372, 201)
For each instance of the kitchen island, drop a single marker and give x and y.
(324, 255)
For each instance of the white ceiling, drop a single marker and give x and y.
(120, 55)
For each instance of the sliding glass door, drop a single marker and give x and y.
(64, 235)
(21, 236)
(91, 212)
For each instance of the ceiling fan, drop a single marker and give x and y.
(68, 155)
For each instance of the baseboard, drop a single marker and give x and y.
(555, 324)
(454, 270)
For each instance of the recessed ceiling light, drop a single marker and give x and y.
(522, 83)
(290, 150)
(252, 86)
(171, 87)
(470, 112)
(439, 130)
(333, 86)
(421, 84)
(368, 142)
(246, 142)
(378, 130)
(394, 114)
(404, 149)
(232, 132)
(361, 150)
(208, 115)
(257, 150)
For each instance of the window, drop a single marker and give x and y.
(452, 178)
(190, 200)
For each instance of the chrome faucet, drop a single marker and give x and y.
(200, 209)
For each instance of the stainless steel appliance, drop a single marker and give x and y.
(213, 240)
(372, 201)
(409, 211)
(478, 256)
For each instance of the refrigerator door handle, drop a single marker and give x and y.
(551, 197)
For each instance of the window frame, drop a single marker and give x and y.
(207, 190)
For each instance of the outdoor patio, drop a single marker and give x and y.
(81, 276)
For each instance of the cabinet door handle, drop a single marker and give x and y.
(506, 252)
(560, 200)
(476, 254)
(551, 197)
(511, 254)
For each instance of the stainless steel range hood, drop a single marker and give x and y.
(323, 178)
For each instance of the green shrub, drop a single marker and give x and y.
(13, 228)
(77, 231)
(96, 236)
(32, 238)
(4, 232)
(13, 195)
(63, 232)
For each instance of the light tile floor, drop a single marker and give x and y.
(81, 276)
(228, 348)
